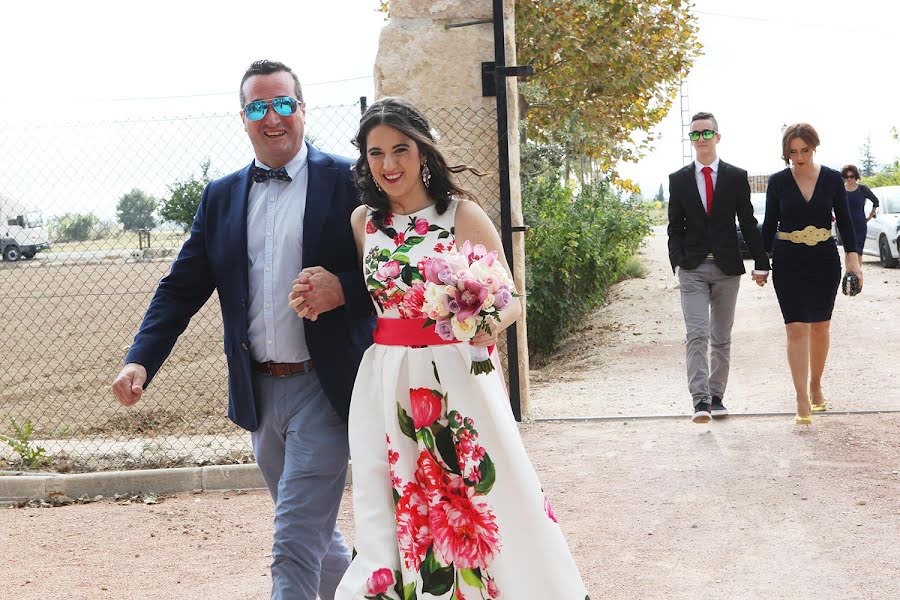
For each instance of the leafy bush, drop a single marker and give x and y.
(182, 205)
(578, 245)
(72, 227)
(889, 175)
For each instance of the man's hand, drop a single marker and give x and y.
(129, 385)
(760, 278)
(314, 292)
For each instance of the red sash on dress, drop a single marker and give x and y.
(407, 332)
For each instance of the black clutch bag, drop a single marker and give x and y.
(850, 285)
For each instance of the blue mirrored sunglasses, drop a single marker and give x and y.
(283, 105)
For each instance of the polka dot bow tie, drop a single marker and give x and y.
(260, 174)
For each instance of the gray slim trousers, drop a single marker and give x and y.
(708, 299)
(302, 451)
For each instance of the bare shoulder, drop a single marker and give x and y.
(469, 213)
(358, 216)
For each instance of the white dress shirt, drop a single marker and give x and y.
(701, 180)
(275, 257)
(701, 187)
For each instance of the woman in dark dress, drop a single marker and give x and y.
(806, 267)
(857, 194)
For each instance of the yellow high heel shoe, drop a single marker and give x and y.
(819, 407)
(798, 420)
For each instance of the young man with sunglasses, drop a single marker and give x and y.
(289, 379)
(705, 197)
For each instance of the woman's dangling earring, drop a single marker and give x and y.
(377, 187)
(426, 174)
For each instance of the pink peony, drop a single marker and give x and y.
(413, 299)
(421, 226)
(399, 239)
(413, 531)
(426, 407)
(430, 475)
(389, 270)
(470, 298)
(464, 527)
(422, 265)
(380, 582)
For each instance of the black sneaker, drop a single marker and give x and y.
(702, 413)
(718, 409)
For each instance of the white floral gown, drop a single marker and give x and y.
(446, 502)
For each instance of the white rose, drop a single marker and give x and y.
(465, 330)
(488, 302)
(480, 271)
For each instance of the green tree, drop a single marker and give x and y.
(661, 195)
(867, 162)
(73, 227)
(182, 205)
(888, 175)
(604, 71)
(135, 210)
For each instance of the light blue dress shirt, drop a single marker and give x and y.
(275, 257)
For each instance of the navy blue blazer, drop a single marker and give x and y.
(215, 258)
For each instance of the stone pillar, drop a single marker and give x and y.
(439, 70)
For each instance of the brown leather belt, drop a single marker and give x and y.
(283, 369)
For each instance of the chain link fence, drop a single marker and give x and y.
(69, 312)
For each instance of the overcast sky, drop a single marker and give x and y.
(765, 63)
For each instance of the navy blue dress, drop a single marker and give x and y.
(856, 201)
(806, 278)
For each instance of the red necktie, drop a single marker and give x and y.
(707, 175)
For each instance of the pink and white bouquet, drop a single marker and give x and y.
(464, 291)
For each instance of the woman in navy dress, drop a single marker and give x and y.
(806, 267)
(857, 194)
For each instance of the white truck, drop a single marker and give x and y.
(22, 231)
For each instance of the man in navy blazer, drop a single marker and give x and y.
(289, 379)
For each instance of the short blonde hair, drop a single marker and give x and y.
(804, 131)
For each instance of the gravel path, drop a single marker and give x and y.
(742, 508)
(747, 507)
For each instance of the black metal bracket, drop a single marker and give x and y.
(490, 73)
(520, 229)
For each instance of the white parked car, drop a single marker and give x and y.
(882, 239)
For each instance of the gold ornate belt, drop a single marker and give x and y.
(808, 235)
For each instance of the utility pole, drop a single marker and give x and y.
(687, 155)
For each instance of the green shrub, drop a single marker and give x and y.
(72, 227)
(578, 245)
(634, 269)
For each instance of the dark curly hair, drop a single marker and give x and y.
(406, 118)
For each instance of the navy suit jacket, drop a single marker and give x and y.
(215, 258)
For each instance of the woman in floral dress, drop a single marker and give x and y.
(446, 502)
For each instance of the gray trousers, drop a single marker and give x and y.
(708, 299)
(302, 451)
